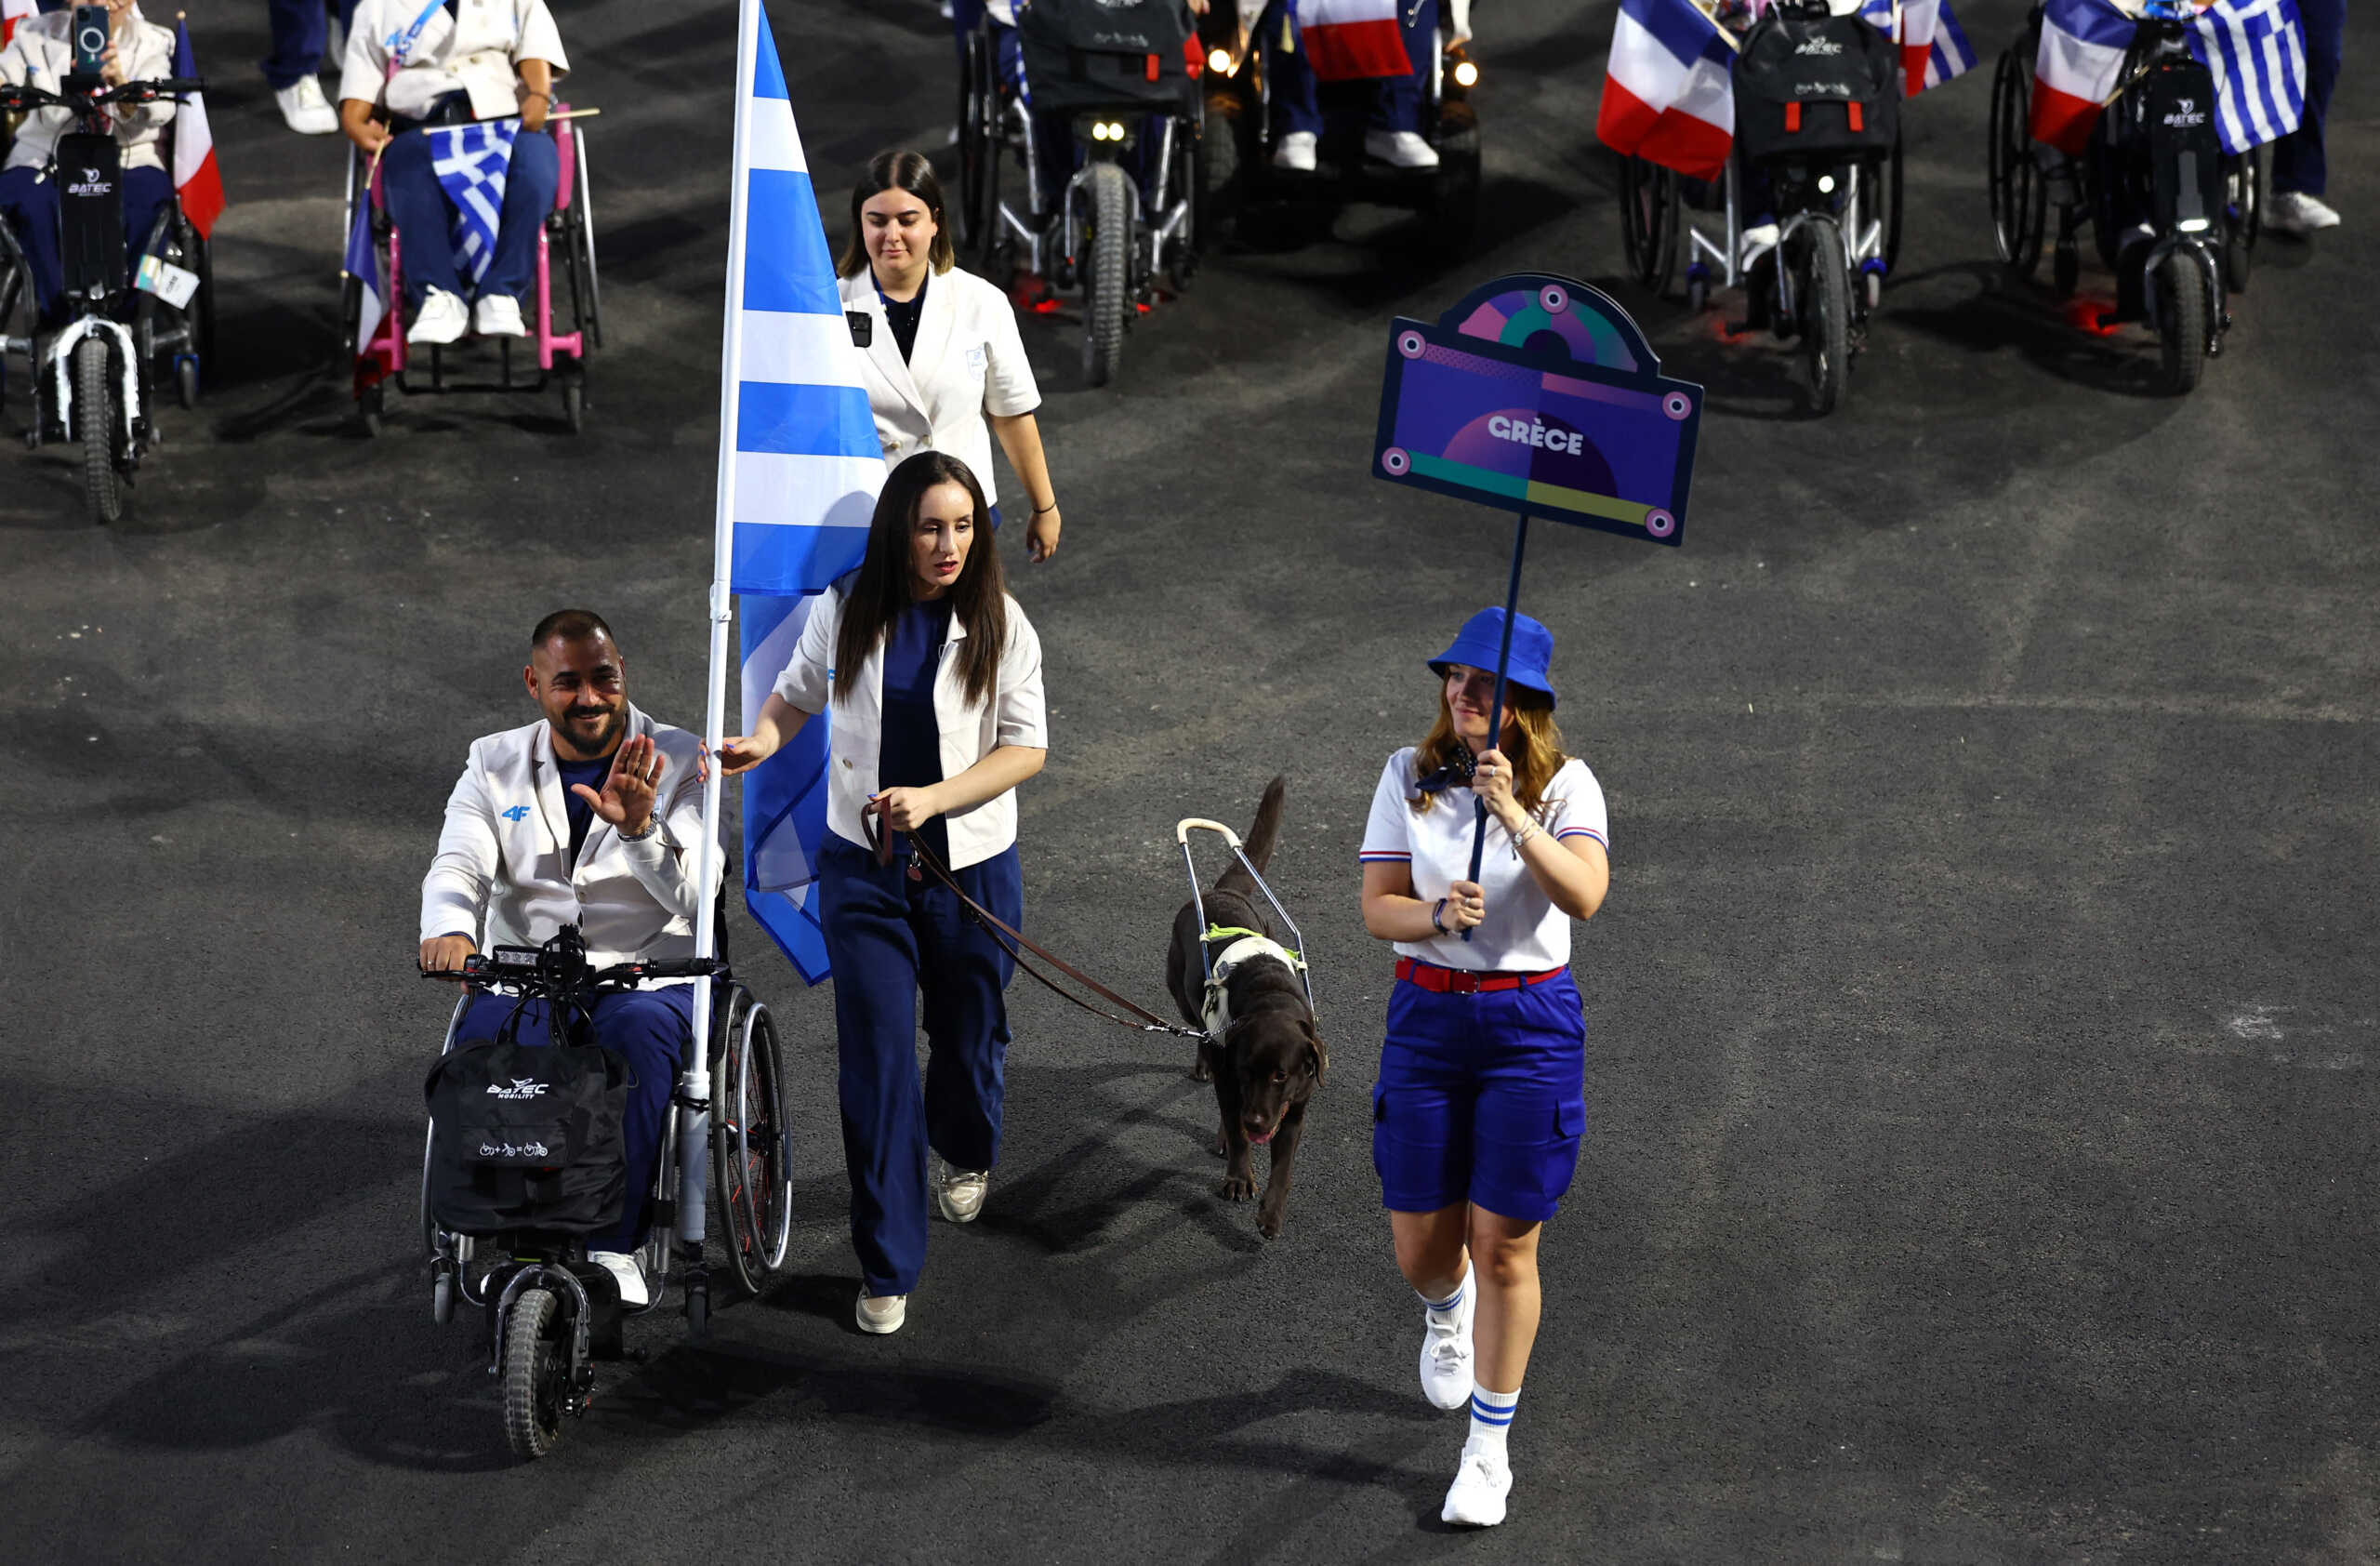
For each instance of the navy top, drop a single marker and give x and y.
(903, 317)
(581, 814)
(911, 756)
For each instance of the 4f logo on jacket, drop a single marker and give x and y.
(523, 1088)
(516, 812)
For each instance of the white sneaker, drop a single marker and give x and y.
(959, 1193)
(498, 315)
(630, 1276)
(308, 111)
(1476, 1497)
(442, 319)
(881, 1315)
(2295, 212)
(1295, 155)
(1758, 240)
(1446, 1350)
(1401, 149)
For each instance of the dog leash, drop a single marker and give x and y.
(1003, 933)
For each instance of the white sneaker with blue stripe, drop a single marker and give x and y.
(1476, 1497)
(1445, 1348)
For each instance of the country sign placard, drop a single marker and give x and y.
(1538, 395)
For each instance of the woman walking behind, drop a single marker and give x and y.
(933, 676)
(1481, 1100)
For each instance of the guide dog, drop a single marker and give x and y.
(1260, 1049)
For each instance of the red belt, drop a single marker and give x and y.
(1463, 981)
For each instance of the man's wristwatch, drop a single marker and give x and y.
(652, 825)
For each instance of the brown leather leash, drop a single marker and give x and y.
(1003, 933)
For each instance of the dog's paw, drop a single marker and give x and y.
(1200, 1072)
(1238, 1188)
(1268, 1220)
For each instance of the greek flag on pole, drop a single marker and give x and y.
(471, 162)
(2256, 49)
(801, 468)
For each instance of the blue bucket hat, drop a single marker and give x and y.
(1477, 641)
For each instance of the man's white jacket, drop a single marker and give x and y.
(503, 874)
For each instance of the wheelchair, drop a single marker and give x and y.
(93, 377)
(723, 1177)
(1837, 211)
(383, 358)
(2175, 216)
(1129, 211)
(1240, 175)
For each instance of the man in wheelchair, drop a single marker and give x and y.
(414, 65)
(591, 816)
(41, 54)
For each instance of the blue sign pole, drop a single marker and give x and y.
(1496, 704)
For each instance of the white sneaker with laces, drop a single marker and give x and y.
(630, 1276)
(1446, 1350)
(2295, 212)
(881, 1315)
(959, 1193)
(1295, 155)
(443, 318)
(308, 111)
(1476, 1497)
(1400, 149)
(498, 315)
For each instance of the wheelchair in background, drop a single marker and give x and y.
(383, 358)
(93, 374)
(723, 1176)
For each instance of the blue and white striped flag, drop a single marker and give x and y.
(800, 465)
(471, 162)
(2256, 49)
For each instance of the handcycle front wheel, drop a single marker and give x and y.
(751, 1183)
(533, 1370)
(1107, 273)
(1824, 281)
(95, 422)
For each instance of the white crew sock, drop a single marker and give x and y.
(1491, 1416)
(1448, 1306)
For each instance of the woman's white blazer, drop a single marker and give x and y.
(968, 361)
(1014, 715)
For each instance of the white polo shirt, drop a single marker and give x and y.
(1524, 932)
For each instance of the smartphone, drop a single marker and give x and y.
(90, 31)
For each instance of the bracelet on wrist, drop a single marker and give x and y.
(1044, 510)
(652, 825)
(1437, 917)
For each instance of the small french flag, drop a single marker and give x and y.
(2082, 50)
(1667, 95)
(1348, 39)
(196, 178)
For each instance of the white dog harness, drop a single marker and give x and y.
(1215, 1010)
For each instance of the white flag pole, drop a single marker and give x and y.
(694, 1126)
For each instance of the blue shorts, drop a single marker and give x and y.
(1481, 1098)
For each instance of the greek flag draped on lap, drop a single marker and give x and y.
(800, 466)
(471, 162)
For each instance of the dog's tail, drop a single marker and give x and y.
(1268, 826)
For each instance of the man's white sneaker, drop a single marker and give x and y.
(1446, 1350)
(959, 1193)
(630, 1276)
(1476, 1497)
(443, 318)
(498, 315)
(1401, 149)
(308, 111)
(1295, 155)
(881, 1315)
(2295, 212)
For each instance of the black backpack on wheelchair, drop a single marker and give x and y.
(1816, 86)
(1107, 54)
(527, 1138)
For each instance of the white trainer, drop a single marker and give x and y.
(2295, 212)
(498, 315)
(308, 111)
(443, 318)
(1295, 155)
(630, 1276)
(1400, 149)
(1758, 240)
(959, 1193)
(1446, 1350)
(880, 1314)
(1475, 1499)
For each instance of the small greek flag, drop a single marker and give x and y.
(363, 263)
(2257, 50)
(471, 162)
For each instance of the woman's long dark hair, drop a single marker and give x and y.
(978, 599)
(902, 170)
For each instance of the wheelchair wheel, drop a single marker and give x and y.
(1219, 156)
(975, 146)
(1107, 276)
(1888, 191)
(534, 1371)
(2246, 180)
(371, 409)
(1823, 286)
(582, 223)
(95, 422)
(2019, 196)
(1648, 221)
(752, 1185)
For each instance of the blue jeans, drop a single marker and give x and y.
(1397, 101)
(894, 941)
(29, 199)
(2298, 161)
(651, 1031)
(424, 220)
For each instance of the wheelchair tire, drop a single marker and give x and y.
(95, 422)
(2181, 325)
(1107, 277)
(1825, 309)
(976, 148)
(574, 404)
(1222, 156)
(1890, 194)
(371, 408)
(186, 381)
(1648, 221)
(582, 223)
(2020, 195)
(2247, 178)
(533, 1373)
(751, 1186)
(441, 1297)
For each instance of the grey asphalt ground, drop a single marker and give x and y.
(1983, 1024)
